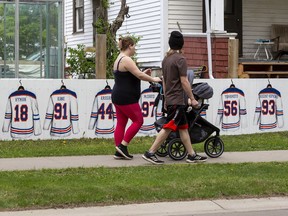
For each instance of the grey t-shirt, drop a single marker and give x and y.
(173, 67)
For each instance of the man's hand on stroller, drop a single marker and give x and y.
(194, 103)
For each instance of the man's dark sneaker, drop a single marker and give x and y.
(124, 151)
(195, 158)
(151, 157)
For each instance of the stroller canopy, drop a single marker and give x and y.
(202, 90)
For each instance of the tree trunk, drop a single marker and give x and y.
(117, 23)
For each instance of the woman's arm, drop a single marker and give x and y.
(130, 66)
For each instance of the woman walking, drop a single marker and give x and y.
(125, 96)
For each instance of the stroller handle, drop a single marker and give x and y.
(156, 87)
(201, 108)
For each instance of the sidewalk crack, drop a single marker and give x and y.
(218, 204)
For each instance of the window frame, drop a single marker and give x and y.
(78, 18)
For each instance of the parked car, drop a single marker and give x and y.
(33, 66)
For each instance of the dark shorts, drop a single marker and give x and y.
(176, 118)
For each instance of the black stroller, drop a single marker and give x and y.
(199, 130)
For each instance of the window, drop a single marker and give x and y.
(78, 16)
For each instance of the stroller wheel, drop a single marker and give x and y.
(176, 149)
(214, 147)
(162, 151)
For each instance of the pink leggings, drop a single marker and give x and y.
(123, 113)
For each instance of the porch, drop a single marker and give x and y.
(262, 69)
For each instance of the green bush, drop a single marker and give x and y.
(79, 62)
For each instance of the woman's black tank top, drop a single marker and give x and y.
(127, 87)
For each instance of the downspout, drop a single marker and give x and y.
(208, 34)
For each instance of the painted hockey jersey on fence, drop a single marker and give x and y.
(159, 109)
(269, 109)
(103, 116)
(149, 111)
(62, 113)
(22, 115)
(232, 110)
(203, 113)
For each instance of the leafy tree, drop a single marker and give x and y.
(33, 23)
(103, 27)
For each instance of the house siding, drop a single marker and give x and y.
(86, 37)
(185, 16)
(146, 22)
(258, 16)
(152, 21)
(187, 13)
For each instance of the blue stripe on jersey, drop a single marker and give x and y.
(23, 93)
(104, 92)
(279, 112)
(36, 117)
(243, 112)
(233, 90)
(94, 114)
(147, 127)
(64, 91)
(8, 115)
(48, 116)
(21, 130)
(55, 130)
(267, 126)
(148, 90)
(270, 91)
(230, 125)
(74, 117)
(104, 131)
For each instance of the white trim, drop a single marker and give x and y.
(216, 35)
(217, 15)
(164, 28)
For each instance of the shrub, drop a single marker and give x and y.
(80, 62)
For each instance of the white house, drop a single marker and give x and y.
(153, 20)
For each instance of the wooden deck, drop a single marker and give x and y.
(263, 69)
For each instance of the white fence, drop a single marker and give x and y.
(86, 91)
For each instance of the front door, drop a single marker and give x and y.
(233, 19)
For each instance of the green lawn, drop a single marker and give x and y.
(68, 147)
(106, 186)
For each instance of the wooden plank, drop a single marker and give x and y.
(260, 68)
(232, 57)
(265, 72)
(100, 56)
(264, 63)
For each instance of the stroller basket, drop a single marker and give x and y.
(200, 130)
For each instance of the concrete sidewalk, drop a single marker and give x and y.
(9, 164)
(151, 209)
(167, 208)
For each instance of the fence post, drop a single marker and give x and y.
(100, 67)
(233, 58)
